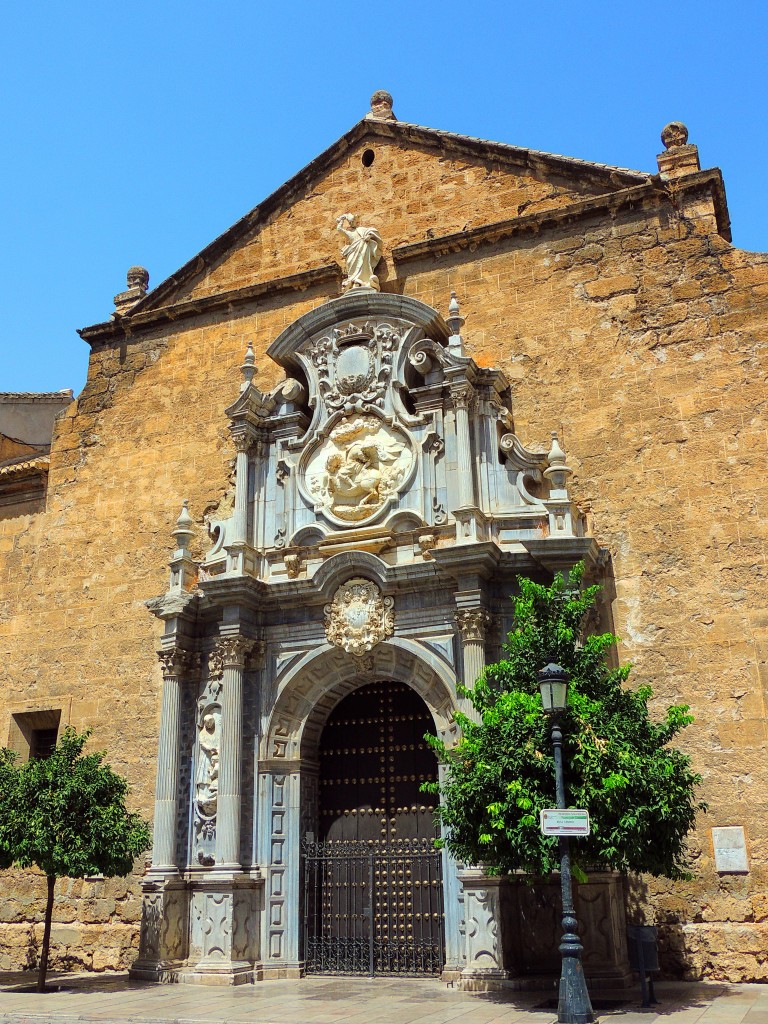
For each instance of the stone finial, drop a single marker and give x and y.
(454, 319)
(557, 472)
(678, 157)
(674, 134)
(137, 280)
(455, 322)
(248, 368)
(138, 277)
(381, 106)
(184, 530)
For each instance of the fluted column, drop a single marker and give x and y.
(240, 525)
(233, 651)
(174, 663)
(473, 624)
(461, 399)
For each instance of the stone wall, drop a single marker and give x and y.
(640, 332)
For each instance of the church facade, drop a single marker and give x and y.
(503, 362)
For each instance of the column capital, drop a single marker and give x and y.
(461, 394)
(473, 623)
(234, 651)
(176, 662)
(242, 440)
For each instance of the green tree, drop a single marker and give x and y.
(66, 815)
(639, 791)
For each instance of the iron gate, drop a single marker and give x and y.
(372, 908)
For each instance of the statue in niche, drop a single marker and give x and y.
(207, 777)
(362, 253)
(359, 467)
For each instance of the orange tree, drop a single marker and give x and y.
(639, 790)
(66, 815)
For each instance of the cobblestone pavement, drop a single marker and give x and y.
(112, 999)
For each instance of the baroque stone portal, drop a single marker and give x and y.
(359, 617)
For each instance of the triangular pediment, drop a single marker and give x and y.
(412, 183)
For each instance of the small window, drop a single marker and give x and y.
(34, 733)
(42, 742)
(368, 157)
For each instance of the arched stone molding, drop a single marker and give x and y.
(348, 307)
(340, 567)
(313, 686)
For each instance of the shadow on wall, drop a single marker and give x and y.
(674, 959)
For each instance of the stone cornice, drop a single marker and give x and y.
(124, 326)
(651, 192)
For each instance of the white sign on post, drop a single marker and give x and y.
(570, 822)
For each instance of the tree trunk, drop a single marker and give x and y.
(43, 969)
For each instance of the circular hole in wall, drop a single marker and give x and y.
(368, 157)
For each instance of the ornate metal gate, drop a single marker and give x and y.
(371, 910)
(373, 900)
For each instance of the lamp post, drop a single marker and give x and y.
(574, 1006)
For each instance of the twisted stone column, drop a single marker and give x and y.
(473, 624)
(175, 663)
(233, 652)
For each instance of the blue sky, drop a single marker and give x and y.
(136, 133)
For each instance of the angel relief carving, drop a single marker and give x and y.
(361, 464)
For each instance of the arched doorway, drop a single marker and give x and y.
(373, 879)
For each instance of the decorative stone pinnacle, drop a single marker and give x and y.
(184, 530)
(381, 106)
(679, 158)
(248, 369)
(454, 319)
(137, 285)
(556, 456)
(557, 471)
(674, 134)
(138, 277)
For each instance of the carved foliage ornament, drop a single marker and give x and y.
(177, 662)
(359, 617)
(473, 623)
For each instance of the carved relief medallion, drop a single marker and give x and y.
(359, 617)
(360, 465)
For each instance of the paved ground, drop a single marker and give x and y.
(112, 999)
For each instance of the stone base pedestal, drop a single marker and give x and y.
(224, 928)
(535, 918)
(203, 930)
(485, 900)
(164, 929)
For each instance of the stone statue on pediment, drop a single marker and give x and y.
(362, 253)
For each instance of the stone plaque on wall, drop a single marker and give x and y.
(730, 850)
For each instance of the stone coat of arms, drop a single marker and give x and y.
(359, 617)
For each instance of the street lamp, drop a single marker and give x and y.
(574, 1006)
